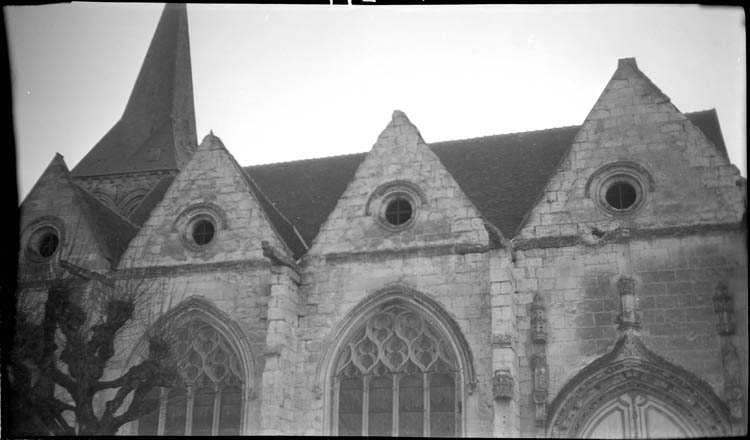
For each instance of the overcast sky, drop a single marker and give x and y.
(280, 83)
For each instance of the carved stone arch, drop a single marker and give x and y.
(632, 368)
(105, 198)
(409, 298)
(130, 202)
(200, 308)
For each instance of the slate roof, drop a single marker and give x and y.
(143, 211)
(160, 113)
(111, 231)
(503, 175)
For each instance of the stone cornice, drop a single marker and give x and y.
(622, 236)
(417, 251)
(160, 271)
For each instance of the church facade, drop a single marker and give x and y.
(582, 281)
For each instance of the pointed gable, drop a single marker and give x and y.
(637, 162)
(157, 128)
(369, 216)
(214, 188)
(90, 234)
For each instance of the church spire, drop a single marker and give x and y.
(157, 129)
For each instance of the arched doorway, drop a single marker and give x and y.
(633, 393)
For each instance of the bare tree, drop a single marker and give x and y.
(58, 359)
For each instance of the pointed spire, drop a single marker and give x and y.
(157, 128)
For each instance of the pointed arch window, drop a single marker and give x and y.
(208, 398)
(396, 376)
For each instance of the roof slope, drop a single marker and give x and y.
(143, 211)
(111, 231)
(157, 128)
(502, 175)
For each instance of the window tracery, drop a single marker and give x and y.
(397, 376)
(208, 398)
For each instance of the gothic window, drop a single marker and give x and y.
(208, 398)
(396, 376)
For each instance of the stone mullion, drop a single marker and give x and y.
(190, 396)
(425, 405)
(217, 411)
(366, 405)
(395, 409)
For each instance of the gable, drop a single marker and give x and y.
(400, 196)
(502, 174)
(90, 234)
(209, 213)
(637, 162)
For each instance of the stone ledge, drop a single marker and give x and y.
(619, 236)
(159, 271)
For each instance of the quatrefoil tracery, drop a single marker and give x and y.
(395, 340)
(203, 354)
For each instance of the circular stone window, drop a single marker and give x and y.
(43, 244)
(396, 205)
(398, 212)
(202, 231)
(621, 195)
(620, 188)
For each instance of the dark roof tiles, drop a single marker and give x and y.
(503, 175)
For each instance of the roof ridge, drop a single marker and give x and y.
(506, 134)
(304, 160)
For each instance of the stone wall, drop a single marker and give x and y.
(675, 280)
(241, 295)
(333, 287)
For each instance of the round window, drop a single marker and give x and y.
(621, 195)
(48, 244)
(398, 212)
(620, 188)
(43, 244)
(203, 232)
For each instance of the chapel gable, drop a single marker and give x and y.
(62, 221)
(401, 197)
(637, 162)
(210, 213)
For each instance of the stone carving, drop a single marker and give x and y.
(317, 392)
(628, 318)
(732, 379)
(504, 340)
(724, 310)
(630, 366)
(540, 409)
(538, 321)
(539, 365)
(471, 386)
(502, 385)
(540, 387)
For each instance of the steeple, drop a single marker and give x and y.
(157, 129)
